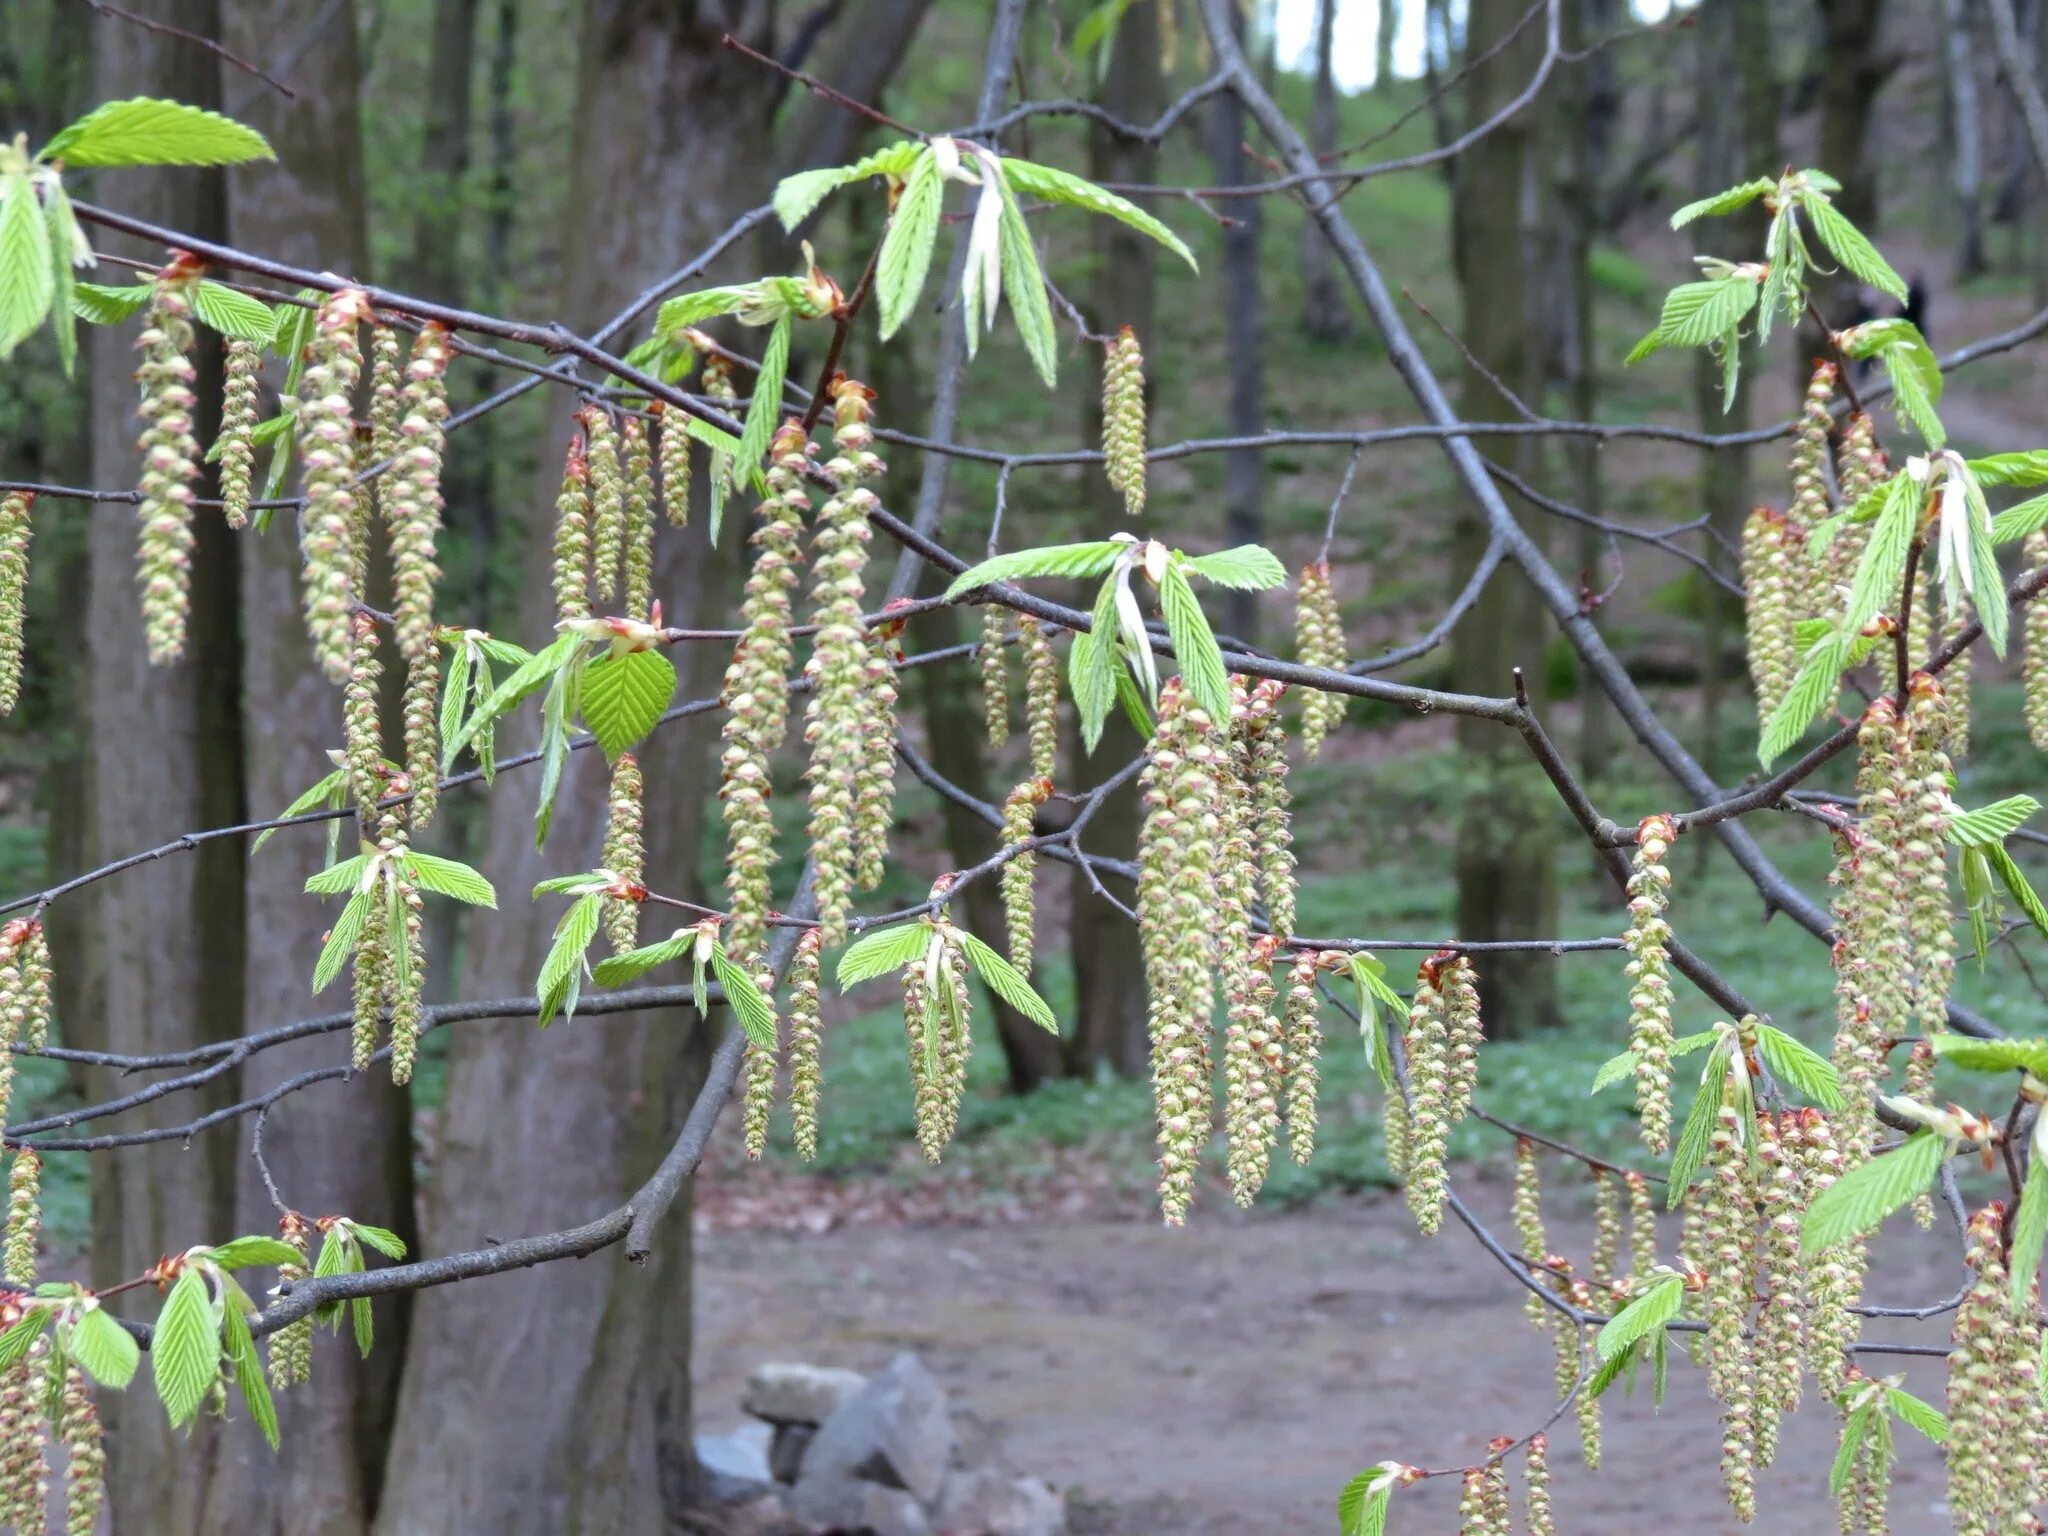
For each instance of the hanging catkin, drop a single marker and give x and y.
(806, 1062)
(412, 495)
(625, 851)
(1874, 950)
(1264, 772)
(235, 446)
(386, 410)
(291, 1347)
(420, 716)
(14, 541)
(1428, 1049)
(607, 501)
(1648, 970)
(24, 1216)
(1780, 1325)
(1772, 587)
(572, 534)
(1041, 698)
(170, 459)
(673, 453)
(639, 525)
(874, 777)
(995, 677)
(363, 735)
(1810, 459)
(1302, 1051)
(1527, 1207)
(1318, 642)
(2035, 557)
(328, 520)
(85, 1457)
(1019, 808)
(1123, 419)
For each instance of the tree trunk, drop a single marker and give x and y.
(342, 1148)
(1244, 335)
(1506, 858)
(1323, 313)
(1854, 73)
(162, 969)
(1966, 133)
(435, 268)
(1383, 43)
(557, 1400)
(1109, 971)
(862, 59)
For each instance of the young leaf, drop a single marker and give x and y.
(617, 970)
(1974, 1055)
(535, 673)
(1362, 1506)
(1858, 1202)
(1194, 644)
(1091, 559)
(1992, 823)
(233, 314)
(1851, 249)
(1989, 599)
(97, 304)
(1980, 902)
(561, 973)
(105, 1350)
(1802, 701)
(688, 309)
(145, 131)
(2029, 1228)
(879, 953)
(245, 1251)
(383, 1239)
(1615, 1069)
(1691, 1150)
(325, 795)
(364, 1323)
(1855, 1430)
(2029, 467)
(1916, 387)
(1024, 281)
(341, 940)
(1651, 1310)
(18, 1340)
(2019, 520)
(1369, 974)
(1723, 202)
(556, 708)
(2016, 886)
(1883, 566)
(184, 1351)
(336, 879)
(249, 1376)
(1093, 669)
(67, 250)
(1056, 186)
(1801, 1066)
(26, 281)
(1246, 568)
(755, 1013)
(624, 697)
(447, 877)
(1930, 1421)
(1697, 313)
(906, 253)
(764, 410)
(1008, 983)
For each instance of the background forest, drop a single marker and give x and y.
(550, 160)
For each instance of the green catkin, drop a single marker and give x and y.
(1919, 1086)
(1041, 697)
(572, 534)
(421, 714)
(386, 409)
(1123, 419)
(625, 851)
(1019, 811)
(1472, 1520)
(1461, 1015)
(37, 999)
(1182, 790)
(956, 1043)
(291, 1347)
(1985, 1497)
(371, 985)
(761, 1064)
(1923, 851)
(1772, 585)
(1302, 1050)
(607, 501)
(24, 1216)
(1955, 682)
(1251, 1105)
(1859, 468)
(1428, 1050)
(875, 774)
(17, 999)
(1834, 1278)
(1727, 1203)
(806, 1070)
(639, 527)
(1780, 1325)
(362, 733)
(995, 673)
(1874, 951)
(1605, 1260)
(1810, 462)
(757, 695)
(329, 518)
(1642, 1226)
(1394, 1135)
(834, 717)
(2034, 556)
(24, 1476)
(408, 986)
(1587, 1405)
(1265, 779)
(412, 493)
(673, 455)
(235, 445)
(170, 460)
(1648, 970)
(1527, 1206)
(1536, 1481)
(1318, 642)
(85, 1456)
(15, 533)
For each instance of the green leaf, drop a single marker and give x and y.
(1801, 1066)
(617, 970)
(1974, 1055)
(1723, 202)
(755, 1013)
(1781, 279)
(1611, 1371)
(233, 314)
(1881, 572)
(559, 885)
(338, 879)
(105, 1350)
(1802, 701)
(1851, 248)
(328, 794)
(1697, 313)
(1024, 281)
(798, 196)
(535, 673)
(66, 243)
(2026, 468)
(1091, 559)
(245, 1251)
(1691, 1150)
(1056, 186)
(2029, 1228)
(764, 409)
(146, 131)
(341, 940)
(1615, 1069)
(906, 253)
(1245, 568)
(184, 1351)
(1992, 823)
(339, 1255)
(688, 309)
(1194, 644)
(18, 1340)
(1093, 669)
(1651, 1310)
(383, 1239)
(561, 702)
(447, 877)
(1362, 1506)
(879, 953)
(1980, 902)
(26, 282)
(1858, 1202)
(1008, 983)
(1855, 1429)
(625, 696)
(2019, 520)
(561, 973)
(249, 1376)
(364, 1323)
(1132, 701)
(1369, 974)
(2015, 882)
(1924, 1417)
(97, 304)
(1916, 388)
(1989, 598)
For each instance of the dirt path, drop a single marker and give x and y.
(1229, 1377)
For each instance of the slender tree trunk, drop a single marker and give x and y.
(1383, 43)
(557, 1400)
(162, 968)
(1109, 973)
(1966, 132)
(435, 266)
(1244, 333)
(1323, 313)
(1506, 857)
(1855, 72)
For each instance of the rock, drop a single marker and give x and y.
(736, 1464)
(989, 1502)
(787, 1393)
(895, 1431)
(786, 1451)
(764, 1516)
(838, 1502)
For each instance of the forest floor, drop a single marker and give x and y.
(1230, 1376)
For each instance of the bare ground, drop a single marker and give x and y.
(1230, 1376)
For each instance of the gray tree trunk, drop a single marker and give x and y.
(1323, 313)
(1244, 334)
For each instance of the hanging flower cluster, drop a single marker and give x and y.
(607, 501)
(1773, 571)
(639, 524)
(291, 1347)
(937, 1009)
(24, 995)
(1318, 642)
(1874, 950)
(1301, 1051)
(235, 445)
(1995, 1472)
(1019, 810)
(14, 540)
(1041, 698)
(806, 1061)
(572, 534)
(995, 675)
(1442, 1049)
(1649, 973)
(625, 851)
(170, 458)
(24, 1217)
(2034, 555)
(673, 452)
(1123, 419)
(329, 520)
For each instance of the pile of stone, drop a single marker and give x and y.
(884, 1455)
